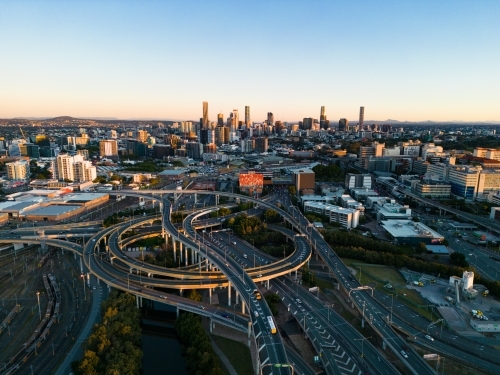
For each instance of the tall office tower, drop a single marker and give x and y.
(361, 117)
(343, 124)
(270, 118)
(194, 150)
(261, 144)
(142, 135)
(221, 135)
(247, 115)
(307, 123)
(18, 170)
(278, 127)
(204, 120)
(234, 120)
(323, 122)
(220, 119)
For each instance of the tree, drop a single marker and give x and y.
(421, 248)
(292, 190)
(194, 295)
(458, 259)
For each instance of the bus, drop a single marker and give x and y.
(271, 324)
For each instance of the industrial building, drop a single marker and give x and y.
(50, 205)
(408, 232)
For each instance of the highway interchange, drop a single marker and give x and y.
(322, 325)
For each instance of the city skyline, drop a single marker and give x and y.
(405, 61)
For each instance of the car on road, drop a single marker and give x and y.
(298, 301)
(429, 338)
(403, 353)
(256, 314)
(225, 316)
(201, 307)
(94, 288)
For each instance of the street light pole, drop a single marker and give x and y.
(39, 311)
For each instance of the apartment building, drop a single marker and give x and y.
(346, 217)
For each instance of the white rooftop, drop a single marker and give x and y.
(409, 228)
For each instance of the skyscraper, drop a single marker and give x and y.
(361, 117)
(234, 119)
(247, 115)
(323, 122)
(343, 124)
(220, 119)
(204, 122)
(270, 118)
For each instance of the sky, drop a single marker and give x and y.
(404, 60)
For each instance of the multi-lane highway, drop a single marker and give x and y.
(271, 349)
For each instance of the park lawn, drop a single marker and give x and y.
(398, 282)
(237, 353)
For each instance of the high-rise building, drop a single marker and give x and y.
(323, 122)
(361, 117)
(247, 115)
(204, 121)
(142, 135)
(221, 135)
(343, 124)
(303, 179)
(234, 120)
(65, 167)
(270, 118)
(108, 148)
(261, 144)
(194, 150)
(307, 123)
(220, 119)
(247, 145)
(84, 171)
(18, 170)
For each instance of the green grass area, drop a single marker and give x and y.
(398, 282)
(323, 284)
(237, 353)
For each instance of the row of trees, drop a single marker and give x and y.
(199, 355)
(350, 238)
(114, 347)
(330, 172)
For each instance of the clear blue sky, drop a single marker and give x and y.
(405, 60)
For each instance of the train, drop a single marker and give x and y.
(42, 330)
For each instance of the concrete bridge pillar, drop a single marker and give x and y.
(186, 255)
(229, 293)
(181, 292)
(195, 198)
(137, 300)
(295, 274)
(74, 256)
(242, 306)
(210, 296)
(267, 284)
(140, 300)
(237, 297)
(249, 334)
(177, 311)
(173, 245)
(210, 324)
(192, 257)
(384, 345)
(199, 260)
